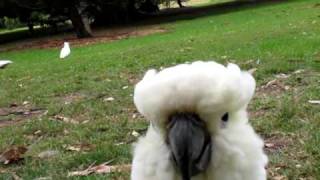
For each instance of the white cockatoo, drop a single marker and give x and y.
(65, 51)
(199, 126)
(4, 63)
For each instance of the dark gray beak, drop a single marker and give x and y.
(190, 144)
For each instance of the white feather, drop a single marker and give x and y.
(65, 51)
(210, 90)
(4, 63)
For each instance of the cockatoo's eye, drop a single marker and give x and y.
(224, 120)
(225, 117)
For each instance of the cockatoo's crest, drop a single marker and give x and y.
(205, 88)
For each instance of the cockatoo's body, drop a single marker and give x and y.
(65, 51)
(215, 99)
(4, 63)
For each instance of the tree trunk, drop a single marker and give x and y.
(180, 3)
(80, 23)
(149, 7)
(30, 26)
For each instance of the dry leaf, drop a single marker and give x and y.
(109, 99)
(80, 147)
(282, 76)
(13, 154)
(85, 122)
(120, 143)
(65, 119)
(134, 116)
(37, 132)
(272, 82)
(15, 176)
(48, 154)
(279, 178)
(101, 169)
(135, 134)
(25, 102)
(314, 101)
(298, 71)
(269, 145)
(43, 178)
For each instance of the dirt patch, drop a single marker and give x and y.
(18, 113)
(276, 143)
(274, 87)
(258, 113)
(130, 77)
(73, 97)
(100, 35)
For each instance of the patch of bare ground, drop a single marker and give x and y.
(15, 114)
(130, 77)
(274, 87)
(290, 147)
(72, 98)
(100, 35)
(281, 83)
(276, 143)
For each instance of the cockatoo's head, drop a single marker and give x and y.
(66, 44)
(189, 104)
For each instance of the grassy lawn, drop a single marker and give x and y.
(72, 95)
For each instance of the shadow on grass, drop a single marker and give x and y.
(24, 34)
(188, 13)
(164, 16)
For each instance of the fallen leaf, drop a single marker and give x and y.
(134, 116)
(120, 143)
(298, 71)
(269, 145)
(79, 147)
(279, 178)
(13, 154)
(15, 176)
(282, 76)
(135, 133)
(65, 119)
(85, 122)
(109, 99)
(65, 132)
(101, 169)
(37, 132)
(314, 101)
(25, 102)
(125, 87)
(271, 83)
(43, 178)
(48, 154)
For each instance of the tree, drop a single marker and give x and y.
(81, 12)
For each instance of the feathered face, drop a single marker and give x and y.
(189, 104)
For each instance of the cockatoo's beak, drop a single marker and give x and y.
(190, 143)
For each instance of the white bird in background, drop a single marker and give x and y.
(199, 127)
(4, 63)
(65, 51)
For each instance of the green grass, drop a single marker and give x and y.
(284, 36)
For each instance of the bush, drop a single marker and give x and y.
(11, 23)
